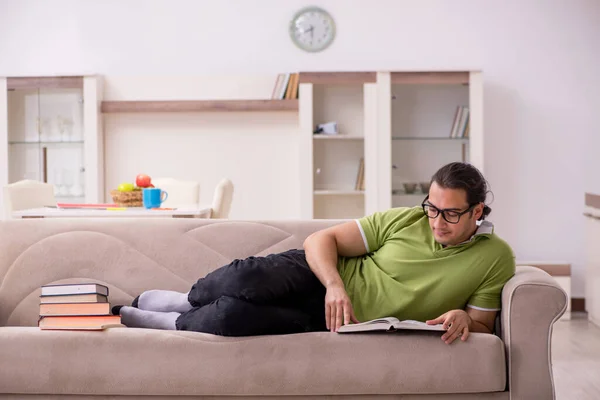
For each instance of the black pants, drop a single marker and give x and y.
(276, 294)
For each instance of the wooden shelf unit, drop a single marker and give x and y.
(136, 106)
(316, 78)
(443, 90)
(45, 82)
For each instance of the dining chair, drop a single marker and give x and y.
(180, 193)
(26, 194)
(222, 199)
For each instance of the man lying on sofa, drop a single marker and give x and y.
(433, 263)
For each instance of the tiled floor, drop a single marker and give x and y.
(576, 359)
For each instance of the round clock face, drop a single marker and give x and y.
(312, 29)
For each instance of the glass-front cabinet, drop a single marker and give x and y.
(430, 128)
(53, 134)
(46, 141)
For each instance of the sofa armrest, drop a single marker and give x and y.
(531, 302)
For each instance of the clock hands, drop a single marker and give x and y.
(311, 30)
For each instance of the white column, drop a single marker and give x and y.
(383, 172)
(476, 145)
(93, 139)
(305, 116)
(371, 156)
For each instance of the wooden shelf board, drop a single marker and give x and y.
(338, 78)
(45, 143)
(337, 137)
(198, 105)
(45, 82)
(338, 192)
(431, 78)
(592, 200)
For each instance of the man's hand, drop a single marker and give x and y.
(456, 323)
(338, 308)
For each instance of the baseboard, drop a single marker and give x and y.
(577, 304)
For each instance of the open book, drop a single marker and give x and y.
(389, 324)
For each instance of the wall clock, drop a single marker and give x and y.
(312, 29)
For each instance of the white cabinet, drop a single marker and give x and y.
(51, 131)
(418, 130)
(332, 183)
(398, 122)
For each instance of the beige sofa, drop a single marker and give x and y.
(131, 255)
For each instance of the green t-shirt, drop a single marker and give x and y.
(408, 275)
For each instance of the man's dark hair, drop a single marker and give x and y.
(458, 175)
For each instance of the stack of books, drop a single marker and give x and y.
(79, 306)
(460, 127)
(286, 86)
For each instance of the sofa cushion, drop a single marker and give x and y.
(127, 361)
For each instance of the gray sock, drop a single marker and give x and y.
(135, 318)
(164, 301)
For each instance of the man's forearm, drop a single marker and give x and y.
(476, 326)
(322, 258)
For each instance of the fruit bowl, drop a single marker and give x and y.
(127, 199)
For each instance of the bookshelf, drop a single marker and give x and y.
(330, 170)
(399, 122)
(424, 108)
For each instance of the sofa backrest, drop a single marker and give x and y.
(128, 255)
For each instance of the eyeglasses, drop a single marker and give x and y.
(451, 216)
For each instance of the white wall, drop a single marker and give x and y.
(257, 151)
(540, 60)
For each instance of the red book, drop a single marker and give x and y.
(100, 206)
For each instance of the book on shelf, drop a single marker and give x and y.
(389, 324)
(277, 87)
(360, 176)
(290, 88)
(455, 123)
(295, 87)
(460, 126)
(76, 306)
